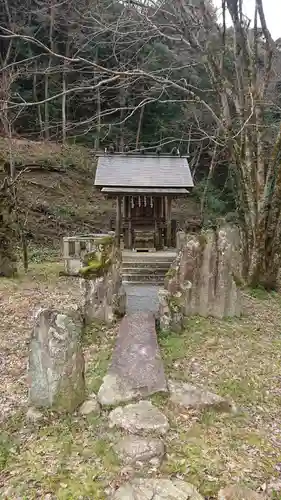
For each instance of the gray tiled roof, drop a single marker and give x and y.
(143, 171)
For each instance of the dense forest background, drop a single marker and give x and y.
(143, 74)
(57, 85)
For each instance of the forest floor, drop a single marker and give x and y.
(72, 456)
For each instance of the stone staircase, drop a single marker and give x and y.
(146, 267)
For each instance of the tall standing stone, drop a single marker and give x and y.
(104, 295)
(56, 362)
(204, 279)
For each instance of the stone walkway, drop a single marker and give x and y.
(135, 373)
(142, 298)
(136, 369)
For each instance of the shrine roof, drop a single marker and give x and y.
(144, 191)
(143, 171)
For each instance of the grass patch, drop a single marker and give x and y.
(40, 272)
(39, 254)
(238, 359)
(68, 456)
(7, 448)
(260, 293)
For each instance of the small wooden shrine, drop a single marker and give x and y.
(144, 187)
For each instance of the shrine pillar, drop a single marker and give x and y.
(169, 221)
(118, 220)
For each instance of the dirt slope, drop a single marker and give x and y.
(56, 194)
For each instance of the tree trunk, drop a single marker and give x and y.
(35, 98)
(46, 108)
(122, 101)
(8, 266)
(98, 130)
(24, 250)
(63, 107)
(46, 90)
(139, 127)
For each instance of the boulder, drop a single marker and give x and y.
(171, 316)
(56, 362)
(136, 369)
(141, 417)
(90, 406)
(190, 396)
(34, 416)
(157, 489)
(132, 450)
(237, 492)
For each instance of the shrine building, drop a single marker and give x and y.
(144, 186)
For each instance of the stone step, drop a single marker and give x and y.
(143, 278)
(149, 257)
(150, 265)
(148, 262)
(145, 270)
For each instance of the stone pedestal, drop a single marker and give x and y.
(76, 247)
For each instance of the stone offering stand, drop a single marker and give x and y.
(75, 247)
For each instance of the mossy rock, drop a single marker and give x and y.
(95, 268)
(175, 304)
(202, 238)
(97, 262)
(171, 273)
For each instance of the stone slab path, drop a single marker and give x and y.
(136, 372)
(157, 489)
(142, 298)
(139, 418)
(136, 368)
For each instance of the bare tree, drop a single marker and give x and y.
(240, 64)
